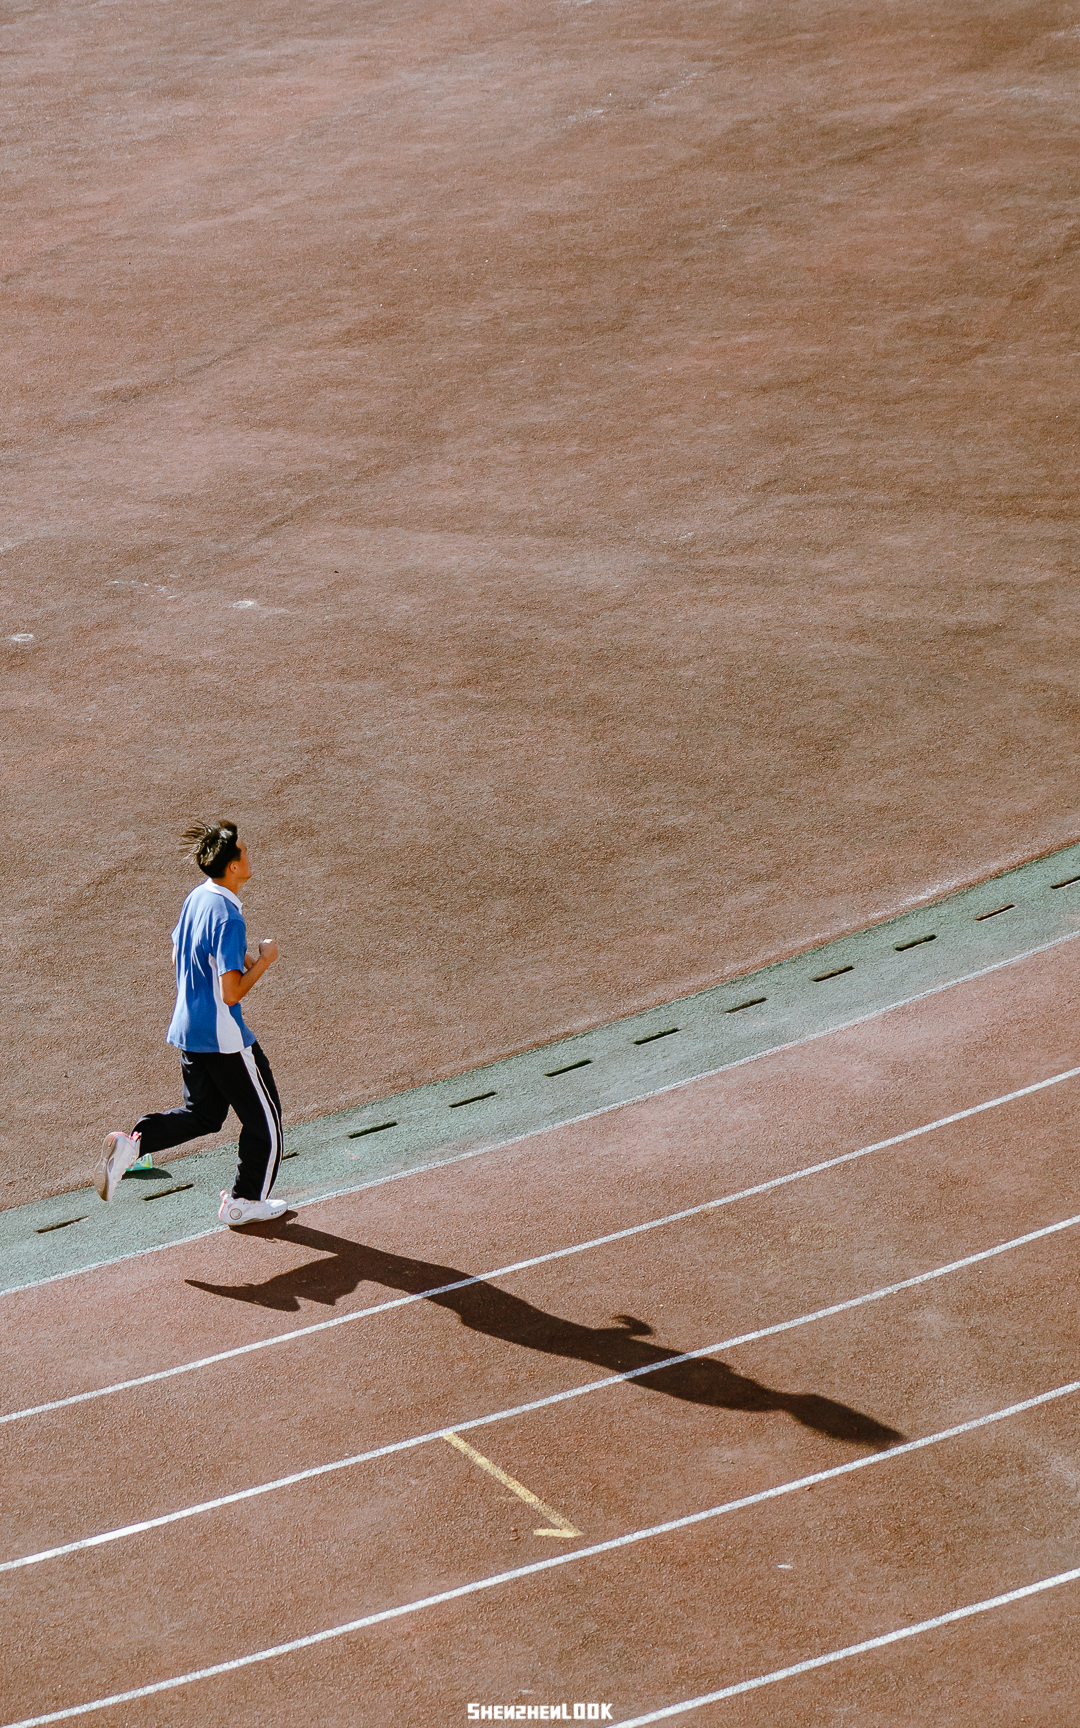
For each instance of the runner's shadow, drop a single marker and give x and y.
(484, 1308)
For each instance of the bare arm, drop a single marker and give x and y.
(235, 985)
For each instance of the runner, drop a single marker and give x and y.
(221, 1063)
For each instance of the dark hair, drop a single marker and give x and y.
(212, 846)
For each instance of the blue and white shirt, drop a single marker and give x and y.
(210, 939)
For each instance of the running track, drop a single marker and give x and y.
(839, 1316)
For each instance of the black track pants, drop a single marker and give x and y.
(212, 1084)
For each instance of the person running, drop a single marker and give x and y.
(221, 1063)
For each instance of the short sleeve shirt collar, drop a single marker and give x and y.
(226, 893)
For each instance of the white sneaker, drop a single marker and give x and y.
(117, 1155)
(237, 1212)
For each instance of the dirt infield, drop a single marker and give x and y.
(677, 570)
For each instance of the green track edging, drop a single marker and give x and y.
(812, 993)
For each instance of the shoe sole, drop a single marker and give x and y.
(105, 1184)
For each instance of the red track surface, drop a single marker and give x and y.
(906, 1539)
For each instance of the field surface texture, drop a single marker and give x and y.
(589, 486)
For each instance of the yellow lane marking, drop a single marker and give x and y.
(558, 1527)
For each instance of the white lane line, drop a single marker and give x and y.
(812, 1662)
(538, 1259)
(595, 1548)
(602, 1110)
(536, 1404)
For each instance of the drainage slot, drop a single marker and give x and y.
(475, 1099)
(376, 1128)
(43, 1229)
(820, 977)
(739, 1006)
(979, 916)
(1067, 882)
(161, 1193)
(916, 942)
(651, 1037)
(550, 1073)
